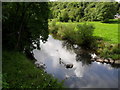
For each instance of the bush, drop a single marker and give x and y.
(69, 33)
(85, 32)
(81, 34)
(109, 51)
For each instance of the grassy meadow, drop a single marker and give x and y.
(107, 31)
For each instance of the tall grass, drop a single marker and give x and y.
(20, 72)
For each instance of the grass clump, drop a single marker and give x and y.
(20, 72)
(108, 50)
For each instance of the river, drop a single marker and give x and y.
(83, 74)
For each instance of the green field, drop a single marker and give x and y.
(108, 31)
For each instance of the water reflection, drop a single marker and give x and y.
(84, 73)
(81, 54)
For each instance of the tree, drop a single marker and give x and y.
(88, 11)
(64, 16)
(24, 24)
(106, 11)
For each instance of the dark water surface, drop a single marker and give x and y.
(83, 74)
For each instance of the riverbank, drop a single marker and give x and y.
(105, 36)
(20, 72)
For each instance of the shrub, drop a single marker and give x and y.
(85, 32)
(116, 50)
(81, 34)
(109, 51)
(69, 33)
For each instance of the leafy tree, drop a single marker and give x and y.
(119, 11)
(88, 11)
(106, 11)
(24, 24)
(64, 16)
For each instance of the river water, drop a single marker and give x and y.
(83, 74)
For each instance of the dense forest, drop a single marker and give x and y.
(83, 11)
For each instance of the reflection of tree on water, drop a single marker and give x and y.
(84, 58)
(81, 54)
(115, 65)
(69, 46)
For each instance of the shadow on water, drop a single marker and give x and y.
(82, 55)
(84, 58)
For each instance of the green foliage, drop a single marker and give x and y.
(90, 13)
(103, 32)
(23, 24)
(5, 84)
(67, 10)
(67, 33)
(109, 51)
(79, 11)
(20, 72)
(118, 8)
(106, 11)
(53, 27)
(107, 31)
(64, 16)
(85, 32)
(81, 34)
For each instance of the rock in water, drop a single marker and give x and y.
(100, 60)
(69, 65)
(110, 60)
(106, 61)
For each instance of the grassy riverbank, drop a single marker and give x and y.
(106, 33)
(20, 72)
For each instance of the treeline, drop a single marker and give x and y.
(83, 11)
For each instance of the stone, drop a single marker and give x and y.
(110, 60)
(69, 65)
(92, 59)
(117, 61)
(100, 60)
(106, 61)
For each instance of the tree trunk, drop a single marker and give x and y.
(21, 25)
